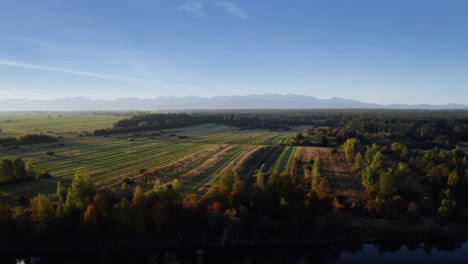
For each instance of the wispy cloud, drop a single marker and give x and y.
(30, 66)
(37, 43)
(232, 9)
(195, 8)
(11, 92)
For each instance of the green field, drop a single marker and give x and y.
(109, 157)
(54, 123)
(284, 161)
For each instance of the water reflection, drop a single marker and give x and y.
(412, 252)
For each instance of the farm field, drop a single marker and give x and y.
(335, 167)
(54, 123)
(193, 155)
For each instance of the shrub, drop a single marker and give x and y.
(127, 181)
(43, 175)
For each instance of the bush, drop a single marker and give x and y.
(50, 153)
(127, 181)
(43, 175)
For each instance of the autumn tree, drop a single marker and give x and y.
(41, 211)
(90, 215)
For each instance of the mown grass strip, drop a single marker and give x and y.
(282, 163)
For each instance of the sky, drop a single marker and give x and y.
(377, 51)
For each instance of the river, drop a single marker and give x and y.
(434, 252)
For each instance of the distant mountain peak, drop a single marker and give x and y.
(252, 101)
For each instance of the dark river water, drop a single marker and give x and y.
(434, 252)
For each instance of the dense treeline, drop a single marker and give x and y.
(226, 214)
(15, 170)
(272, 209)
(430, 182)
(27, 139)
(416, 128)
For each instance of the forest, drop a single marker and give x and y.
(245, 178)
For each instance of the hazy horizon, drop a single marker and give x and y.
(394, 52)
(222, 96)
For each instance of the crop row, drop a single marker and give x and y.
(284, 160)
(197, 182)
(106, 163)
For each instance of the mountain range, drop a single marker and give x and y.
(254, 101)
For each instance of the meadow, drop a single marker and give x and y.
(193, 155)
(124, 154)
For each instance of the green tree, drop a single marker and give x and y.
(447, 206)
(377, 161)
(370, 179)
(299, 136)
(453, 179)
(30, 169)
(307, 171)
(388, 182)
(320, 138)
(20, 169)
(61, 192)
(350, 148)
(138, 196)
(359, 163)
(260, 180)
(316, 172)
(227, 178)
(238, 191)
(7, 170)
(81, 192)
(323, 189)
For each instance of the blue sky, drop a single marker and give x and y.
(385, 51)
